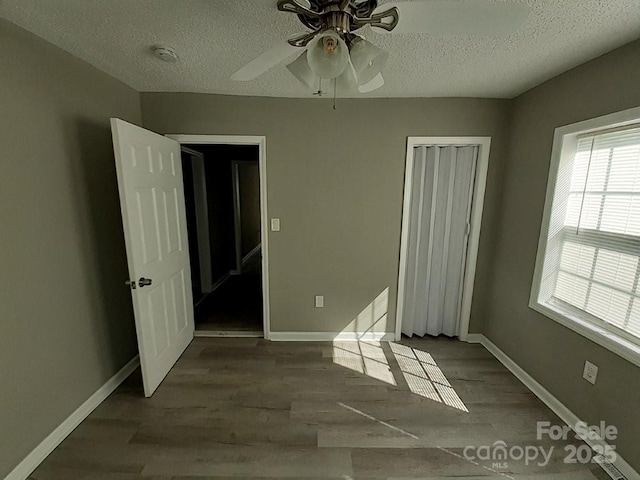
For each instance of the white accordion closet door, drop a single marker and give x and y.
(439, 224)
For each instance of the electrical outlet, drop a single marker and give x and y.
(275, 224)
(319, 301)
(590, 372)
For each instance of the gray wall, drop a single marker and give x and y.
(551, 353)
(66, 319)
(335, 180)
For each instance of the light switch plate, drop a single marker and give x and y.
(275, 224)
(319, 301)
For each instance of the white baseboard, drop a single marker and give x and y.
(248, 256)
(567, 416)
(473, 338)
(329, 336)
(218, 283)
(213, 288)
(55, 438)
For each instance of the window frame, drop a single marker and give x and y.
(564, 144)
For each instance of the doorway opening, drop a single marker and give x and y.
(445, 182)
(224, 183)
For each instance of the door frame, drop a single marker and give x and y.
(261, 143)
(482, 168)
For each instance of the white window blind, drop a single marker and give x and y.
(591, 265)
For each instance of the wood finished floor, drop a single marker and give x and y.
(249, 408)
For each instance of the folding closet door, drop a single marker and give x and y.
(439, 224)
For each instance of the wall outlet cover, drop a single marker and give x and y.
(319, 301)
(590, 372)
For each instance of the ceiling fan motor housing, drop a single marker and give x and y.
(341, 12)
(341, 16)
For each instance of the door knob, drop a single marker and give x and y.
(144, 282)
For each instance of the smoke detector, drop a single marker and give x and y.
(166, 54)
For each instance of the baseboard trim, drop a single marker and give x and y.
(473, 338)
(219, 283)
(566, 415)
(329, 336)
(55, 438)
(213, 288)
(248, 256)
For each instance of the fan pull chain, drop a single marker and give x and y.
(319, 92)
(335, 89)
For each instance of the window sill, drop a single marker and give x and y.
(609, 340)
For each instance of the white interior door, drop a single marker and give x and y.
(155, 229)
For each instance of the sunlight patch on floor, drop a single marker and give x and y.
(363, 357)
(424, 377)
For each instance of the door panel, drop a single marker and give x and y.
(155, 230)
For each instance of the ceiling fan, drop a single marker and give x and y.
(335, 48)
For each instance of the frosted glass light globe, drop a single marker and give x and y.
(300, 69)
(328, 55)
(368, 60)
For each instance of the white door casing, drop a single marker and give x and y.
(484, 144)
(149, 172)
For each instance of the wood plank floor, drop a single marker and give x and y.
(248, 408)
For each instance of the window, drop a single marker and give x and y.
(588, 270)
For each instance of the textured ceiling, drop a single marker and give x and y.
(214, 38)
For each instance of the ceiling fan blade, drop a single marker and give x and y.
(265, 61)
(462, 17)
(376, 83)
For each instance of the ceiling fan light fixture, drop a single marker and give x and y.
(299, 68)
(328, 55)
(368, 60)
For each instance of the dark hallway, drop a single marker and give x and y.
(236, 306)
